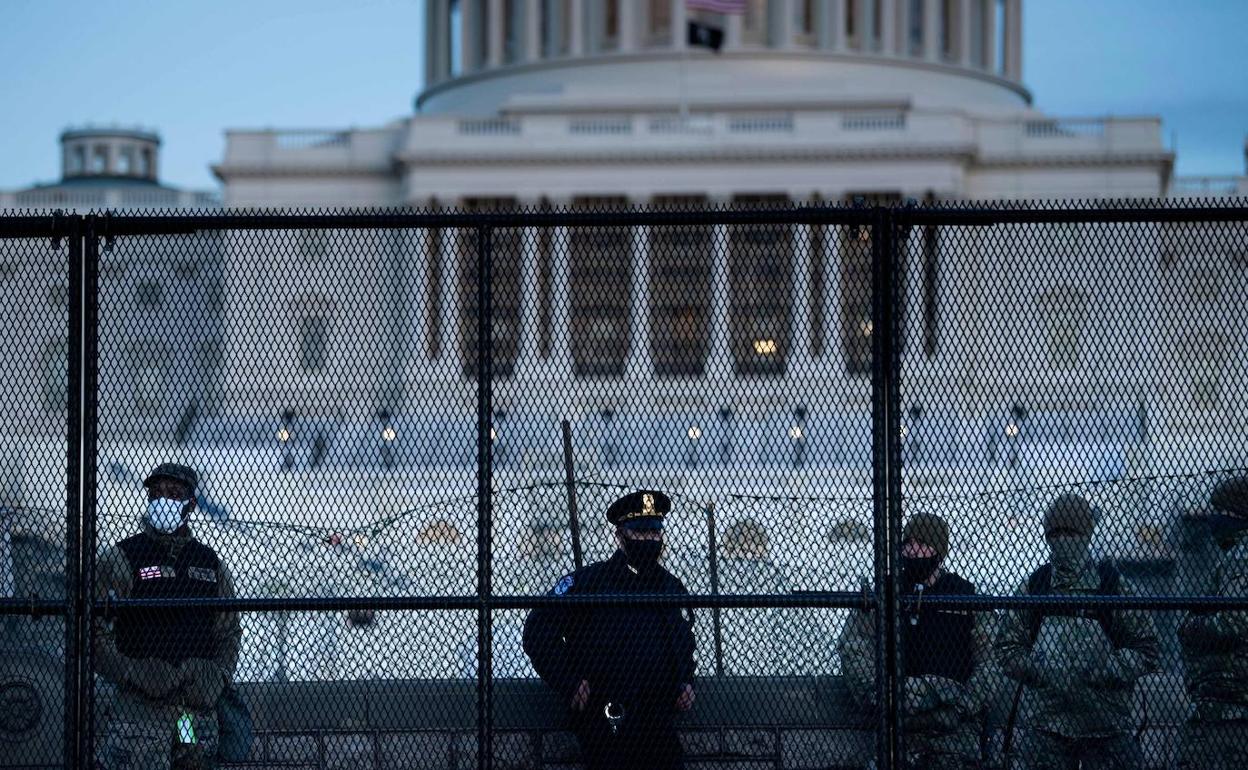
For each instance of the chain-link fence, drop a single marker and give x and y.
(940, 483)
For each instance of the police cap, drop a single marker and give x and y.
(644, 509)
(1070, 512)
(183, 473)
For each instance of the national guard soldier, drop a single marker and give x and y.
(1215, 645)
(624, 670)
(947, 654)
(1076, 668)
(169, 666)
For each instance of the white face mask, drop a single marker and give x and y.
(165, 514)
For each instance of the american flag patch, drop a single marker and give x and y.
(149, 573)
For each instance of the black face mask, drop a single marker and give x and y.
(917, 569)
(1226, 530)
(642, 554)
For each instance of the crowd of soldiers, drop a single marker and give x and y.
(625, 670)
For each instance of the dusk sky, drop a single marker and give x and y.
(192, 69)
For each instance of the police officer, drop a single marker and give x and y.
(1077, 668)
(1215, 645)
(623, 670)
(169, 665)
(947, 654)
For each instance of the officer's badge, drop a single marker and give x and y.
(563, 585)
(647, 505)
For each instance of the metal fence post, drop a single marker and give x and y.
(74, 594)
(485, 523)
(90, 432)
(886, 482)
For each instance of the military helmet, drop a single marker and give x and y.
(1070, 512)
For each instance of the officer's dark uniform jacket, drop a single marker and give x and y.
(635, 656)
(156, 565)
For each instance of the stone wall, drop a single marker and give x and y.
(737, 724)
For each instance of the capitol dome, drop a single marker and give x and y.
(514, 56)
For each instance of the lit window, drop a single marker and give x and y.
(760, 270)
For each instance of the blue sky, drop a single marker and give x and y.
(193, 68)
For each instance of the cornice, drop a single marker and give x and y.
(1073, 160)
(687, 155)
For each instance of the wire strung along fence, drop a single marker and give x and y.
(408, 427)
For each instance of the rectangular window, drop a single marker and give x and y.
(611, 24)
(680, 292)
(506, 250)
(760, 278)
(856, 321)
(99, 159)
(314, 342)
(948, 27)
(600, 273)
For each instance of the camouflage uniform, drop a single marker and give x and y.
(140, 713)
(1078, 685)
(1215, 657)
(943, 716)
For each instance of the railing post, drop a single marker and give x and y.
(886, 483)
(74, 594)
(90, 432)
(485, 523)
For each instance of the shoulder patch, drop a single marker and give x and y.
(563, 585)
(202, 573)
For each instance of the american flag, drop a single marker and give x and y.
(149, 573)
(717, 6)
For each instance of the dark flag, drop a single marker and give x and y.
(705, 35)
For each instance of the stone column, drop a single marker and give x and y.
(437, 30)
(864, 24)
(990, 36)
(1014, 40)
(719, 359)
(833, 360)
(782, 34)
(931, 30)
(679, 21)
(630, 25)
(888, 27)
(903, 28)
(468, 22)
(533, 30)
(560, 297)
(800, 357)
(527, 357)
(576, 35)
(640, 365)
(733, 31)
(831, 16)
(495, 22)
(964, 33)
(448, 303)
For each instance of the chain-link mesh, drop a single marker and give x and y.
(807, 386)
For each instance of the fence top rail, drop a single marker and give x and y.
(961, 213)
(829, 599)
(797, 600)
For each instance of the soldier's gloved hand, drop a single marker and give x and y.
(153, 677)
(920, 695)
(202, 682)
